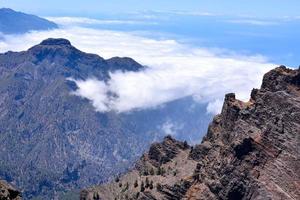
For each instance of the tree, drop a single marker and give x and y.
(147, 183)
(146, 173)
(120, 184)
(151, 185)
(158, 172)
(137, 195)
(163, 171)
(152, 172)
(136, 184)
(117, 179)
(185, 144)
(142, 187)
(175, 173)
(158, 187)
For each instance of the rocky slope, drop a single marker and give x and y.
(7, 192)
(12, 22)
(53, 141)
(251, 151)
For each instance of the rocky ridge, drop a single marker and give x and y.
(7, 192)
(251, 151)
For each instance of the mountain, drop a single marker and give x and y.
(250, 151)
(53, 141)
(12, 22)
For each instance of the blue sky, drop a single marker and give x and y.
(261, 8)
(264, 27)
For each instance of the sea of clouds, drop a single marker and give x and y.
(174, 70)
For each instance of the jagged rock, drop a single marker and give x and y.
(161, 153)
(7, 192)
(250, 152)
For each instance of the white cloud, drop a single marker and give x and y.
(175, 70)
(254, 22)
(95, 90)
(78, 21)
(170, 128)
(214, 106)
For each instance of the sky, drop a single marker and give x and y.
(202, 49)
(259, 8)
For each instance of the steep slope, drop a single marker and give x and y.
(54, 141)
(12, 22)
(251, 151)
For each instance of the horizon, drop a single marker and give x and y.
(89, 8)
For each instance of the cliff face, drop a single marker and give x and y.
(251, 151)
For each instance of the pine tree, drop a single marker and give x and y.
(142, 187)
(158, 187)
(151, 185)
(152, 172)
(136, 184)
(147, 183)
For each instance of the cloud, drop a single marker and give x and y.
(254, 22)
(170, 128)
(79, 21)
(175, 70)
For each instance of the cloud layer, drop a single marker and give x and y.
(175, 70)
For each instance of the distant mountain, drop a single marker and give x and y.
(53, 141)
(12, 22)
(250, 152)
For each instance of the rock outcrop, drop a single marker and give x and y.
(7, 192)
(251, 151)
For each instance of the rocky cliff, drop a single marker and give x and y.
(7, 192)
(251, 151)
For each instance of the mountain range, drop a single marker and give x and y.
(53, 141)
(13, 22)
(250, 152)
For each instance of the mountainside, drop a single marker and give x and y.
(251, 151)
(12, 22)
(53, 141)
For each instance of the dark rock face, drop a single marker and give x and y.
(7, 192)
(251, 150)
(254, 145)
(12, 22)
(161, 153)
(53, 141)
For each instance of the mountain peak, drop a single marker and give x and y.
(6, 10)
(55, 41)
